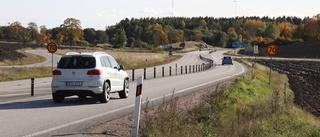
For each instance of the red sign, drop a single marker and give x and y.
(272, 49)
(52, 47)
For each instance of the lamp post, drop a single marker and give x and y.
(235, 9)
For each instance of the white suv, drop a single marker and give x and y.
(89, 74)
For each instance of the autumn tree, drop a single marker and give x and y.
(59, 38)
(72, 30)
(43, 36)
(15, 30)
(252, 26)
(160, 38)
(312, 29)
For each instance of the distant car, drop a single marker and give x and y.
(227, 60)
(89, 74)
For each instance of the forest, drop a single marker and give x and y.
(152, 32)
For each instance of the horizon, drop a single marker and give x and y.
(99, 14)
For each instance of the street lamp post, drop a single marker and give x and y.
(235, 9)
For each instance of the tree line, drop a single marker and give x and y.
(152, 32)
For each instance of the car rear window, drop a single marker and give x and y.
(77, 62)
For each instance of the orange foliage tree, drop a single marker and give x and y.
(160, 37)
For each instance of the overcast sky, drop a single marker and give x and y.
(101, 13)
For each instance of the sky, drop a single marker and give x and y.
(99, 14)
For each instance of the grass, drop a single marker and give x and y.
(8, 74)
(247, 107)
(131, 60)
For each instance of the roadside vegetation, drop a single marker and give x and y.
(130, 59)
(247, 107)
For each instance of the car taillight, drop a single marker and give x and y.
(56, 72)
(94, 72)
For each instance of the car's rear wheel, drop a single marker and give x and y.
(125, 92)
(105, 96)
(57, 98)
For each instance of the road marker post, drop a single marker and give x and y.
(137, 107)
(32, 86)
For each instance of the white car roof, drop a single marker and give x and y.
(85, 53)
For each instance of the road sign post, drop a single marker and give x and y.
(271, 50)
(137, 107)
(52, 48)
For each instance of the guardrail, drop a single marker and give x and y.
(178, 70)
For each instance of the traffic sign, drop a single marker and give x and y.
(52, 47)
(272, 49)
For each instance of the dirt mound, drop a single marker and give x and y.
(8, 52)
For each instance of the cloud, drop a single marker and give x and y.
(288, 14)
(149, 11)
(159, 12)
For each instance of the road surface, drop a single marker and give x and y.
(22, 115)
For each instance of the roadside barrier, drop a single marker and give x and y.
(187, 69)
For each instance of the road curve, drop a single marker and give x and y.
(40, 116)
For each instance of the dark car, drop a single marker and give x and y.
(227, 60)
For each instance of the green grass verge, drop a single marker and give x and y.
(247, 107)
(15, 73)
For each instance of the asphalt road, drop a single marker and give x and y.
(23, 115)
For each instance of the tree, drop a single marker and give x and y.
(72, 29)
(119, 39)
(101, 37)
(15, 30)
(59, 38)
(175, 35)
(252, 26)
(90, 35)
(33, 30)
(221, 39)
(272, 31)
(160, 38)
(43, 36)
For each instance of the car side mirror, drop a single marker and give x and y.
(121, 67)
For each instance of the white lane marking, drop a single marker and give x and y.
(130, 106)
(75, 122)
